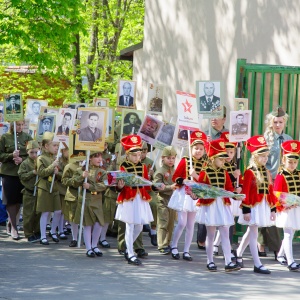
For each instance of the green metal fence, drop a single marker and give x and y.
(266, 87)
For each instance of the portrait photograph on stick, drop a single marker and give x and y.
(126, 93)
(131, 121)
(209, 96)
(65, 121)
(91, 131)
(13, 107)
(46, 124)
(149, 129)
(240, 125)
(165, 136)
(155, 99)
(33, 108)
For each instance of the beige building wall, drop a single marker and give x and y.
(189, 40)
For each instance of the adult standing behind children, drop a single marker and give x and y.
(11, 159)
(275, 136)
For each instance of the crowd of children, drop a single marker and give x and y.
(54, 188)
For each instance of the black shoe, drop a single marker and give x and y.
(262, 254)
(62, 236)
(38, 235)
(97, 251)
(126, 255)
(175, 256)
(54, 238)
(48, 227)
(240, 263)
(44, 242)
(104, 245)
(153, 238)
(259, 270)
(212, 267)
(134, 261)
(187, 256)
(146, 228)
(121, 252)
(293, 267)
(232, 267)
(90, 253)
(141, 253)
(201, 247)
(32, 239)
(73, 243)
(165, 251)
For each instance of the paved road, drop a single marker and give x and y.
(33, 271)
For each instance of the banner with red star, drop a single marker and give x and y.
(187, 111)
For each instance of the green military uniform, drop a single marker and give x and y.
(62, 189)
(7, 147)
(31, 219)
(239, 129)
(93, 211)
(46, 201)
(71, 197)
(165, 215)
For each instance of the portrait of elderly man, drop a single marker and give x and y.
(209, 102)
(91, 133)
(126, 99)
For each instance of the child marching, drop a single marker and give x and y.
(183, 203)
(259, 205)
(216, 212)
(288, 217)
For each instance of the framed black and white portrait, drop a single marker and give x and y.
(126, 93)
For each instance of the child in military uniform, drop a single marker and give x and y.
(183, 203)
(259, 206)
(63, 161)
(71, 199)
(27, 173)
(216, 212)
(133, 202)
(234, 173)
(93, 219)
(47, 166)
(165, 215)
(288, 218)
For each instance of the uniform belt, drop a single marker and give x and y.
(93, 193)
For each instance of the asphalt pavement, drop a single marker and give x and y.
(34, 271)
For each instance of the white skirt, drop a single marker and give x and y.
(235, 207)
(260, 215)
(180, 201)
(215, 214)
(137, 211)
(289, 218)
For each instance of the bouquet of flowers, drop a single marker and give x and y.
(129, 179)
(286, 200)
(206, 191)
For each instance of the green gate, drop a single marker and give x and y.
(266, 87)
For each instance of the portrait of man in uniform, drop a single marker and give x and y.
(210, 100)
(46, 125)
(239, 128)
(12, 105)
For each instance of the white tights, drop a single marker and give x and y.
(103, 232)
(74, 229)
(185, 220)
(250, 238)
(91, 235)
(224, 232)
(44, 220)
(287, 245)
(132, 231)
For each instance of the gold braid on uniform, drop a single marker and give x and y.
(229, 167)
(292, 181)
(136, 169)
(263, 183)
(216, 176)
(198, 164)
